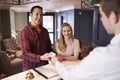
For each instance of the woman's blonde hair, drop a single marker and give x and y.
(61, 42)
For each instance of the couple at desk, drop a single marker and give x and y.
(36, 45)
(103, 63)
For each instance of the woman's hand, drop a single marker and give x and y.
(60, 58)
(54, 59)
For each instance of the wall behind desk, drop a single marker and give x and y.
(100, 36)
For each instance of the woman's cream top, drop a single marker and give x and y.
(70, 50)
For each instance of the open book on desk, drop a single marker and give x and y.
(47, 71)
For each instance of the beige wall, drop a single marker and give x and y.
(20, 20)
(17, 20)
(12, 22)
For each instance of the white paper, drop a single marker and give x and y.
(52, 54)
(48, 70)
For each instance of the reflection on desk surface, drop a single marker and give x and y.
(49, 70)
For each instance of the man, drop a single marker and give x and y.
(103, 63)
(35, 41)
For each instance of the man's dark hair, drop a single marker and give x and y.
(110, 5)
(32, 9)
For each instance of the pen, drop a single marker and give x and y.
(40, 73)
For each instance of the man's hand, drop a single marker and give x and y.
(45, 56)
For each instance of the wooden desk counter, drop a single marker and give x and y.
(22, 75)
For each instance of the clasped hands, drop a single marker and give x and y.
(52, 57)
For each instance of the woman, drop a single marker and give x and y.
(67, 47)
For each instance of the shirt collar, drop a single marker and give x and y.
(116, 39)
(31, 26)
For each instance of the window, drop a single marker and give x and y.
(49, 25)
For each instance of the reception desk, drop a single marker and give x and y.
(48, 70)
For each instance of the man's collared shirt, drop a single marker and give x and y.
(34, 44)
